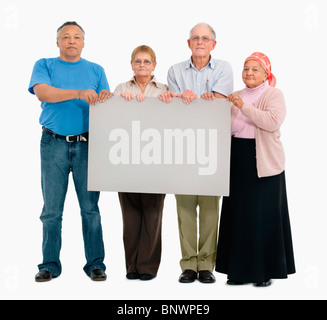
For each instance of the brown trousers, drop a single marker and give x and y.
(142, 222)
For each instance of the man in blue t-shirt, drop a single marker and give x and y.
(66, 86)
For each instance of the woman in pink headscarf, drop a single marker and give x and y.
(255, 242)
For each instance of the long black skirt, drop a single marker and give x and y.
(255, 241)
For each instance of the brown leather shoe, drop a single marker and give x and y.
(188, 276)
(98, 275)
(206, 276)
(44, 276)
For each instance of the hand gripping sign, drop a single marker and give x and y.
(154, 147)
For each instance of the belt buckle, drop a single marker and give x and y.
(82, 138)
(67, 138)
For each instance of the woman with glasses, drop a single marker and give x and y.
(142, 212)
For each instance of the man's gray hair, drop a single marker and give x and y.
(206, 25)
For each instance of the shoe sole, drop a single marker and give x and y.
(186, 281)
(42, 280)
(98, 279)
(45, 280)
(207, 281)
(259, 285)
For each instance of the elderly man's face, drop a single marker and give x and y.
(201, 43)
(70, 42)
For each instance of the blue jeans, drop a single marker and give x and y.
(58, 159)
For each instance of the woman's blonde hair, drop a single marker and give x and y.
(145, 49)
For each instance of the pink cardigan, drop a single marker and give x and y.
(268, 114)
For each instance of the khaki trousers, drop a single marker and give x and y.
(198, 253)
(142, 221)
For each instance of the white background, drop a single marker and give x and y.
(292, 33)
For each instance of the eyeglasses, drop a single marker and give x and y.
(197, 38)
(139, 62)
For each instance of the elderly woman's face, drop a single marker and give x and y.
(253, 74)
(143, 65)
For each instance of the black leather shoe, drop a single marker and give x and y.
(132, 275)
(188, 276)
(98, 275)
(206, 276)
(265, 283)
(44, 276)
(145, 276)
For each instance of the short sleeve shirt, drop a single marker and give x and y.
(217, 76)
(71, 116)
(153, 89)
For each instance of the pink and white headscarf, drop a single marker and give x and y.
(265, 63)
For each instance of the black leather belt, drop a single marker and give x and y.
(84, 137)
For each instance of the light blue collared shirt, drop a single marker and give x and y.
(217, 76)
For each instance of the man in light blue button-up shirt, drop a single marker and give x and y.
(200, 76)
(215, 78)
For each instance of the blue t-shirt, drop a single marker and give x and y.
(71, 116)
